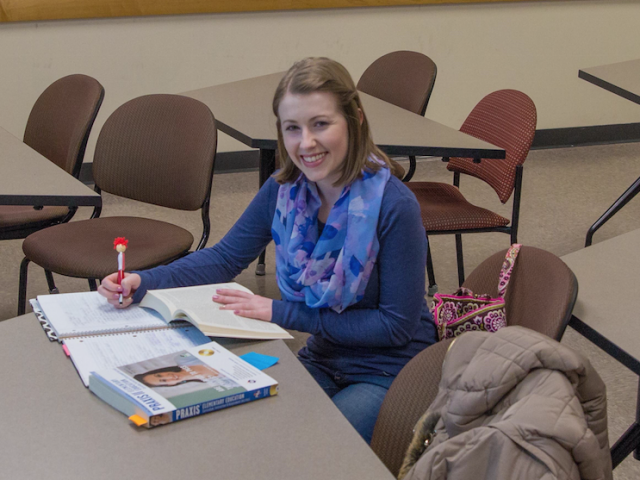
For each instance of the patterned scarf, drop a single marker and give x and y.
(333, 270)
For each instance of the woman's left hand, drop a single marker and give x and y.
(244, 304)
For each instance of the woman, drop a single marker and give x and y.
(350, 247)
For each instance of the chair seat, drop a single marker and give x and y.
(444, 208)
(15, 215)
(85, 249)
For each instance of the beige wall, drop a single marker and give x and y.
(536, 47)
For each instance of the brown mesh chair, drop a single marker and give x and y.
(506, 118)
(158, 149)
(58, 128)
(404, 79)
(541, 295)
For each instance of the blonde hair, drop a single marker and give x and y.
(320, 74)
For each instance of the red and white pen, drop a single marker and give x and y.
(120, 245)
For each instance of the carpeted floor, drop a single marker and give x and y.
(564, 192)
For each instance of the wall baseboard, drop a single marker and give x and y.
(246, 161)
(226, 162)
(583, 136)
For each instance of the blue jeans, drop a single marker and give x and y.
(358, 397)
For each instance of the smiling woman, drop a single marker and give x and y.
(350, 247)
(35, 10)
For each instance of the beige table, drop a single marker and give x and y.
(623, 79)
(54, 428)
(243, 111)
(28, 178)
(606, 311)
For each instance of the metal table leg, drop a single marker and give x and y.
(630, 441)
(631, 192)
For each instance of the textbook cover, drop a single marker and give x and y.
(180, 385)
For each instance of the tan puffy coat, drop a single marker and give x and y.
(513, 404)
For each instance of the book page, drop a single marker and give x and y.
(84, 313)
(106, 351)
(197, 303)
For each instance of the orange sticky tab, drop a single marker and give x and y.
(138, 420)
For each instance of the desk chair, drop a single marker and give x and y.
(58, 128)
(158, 149)
(506, 118)
(541, 295)
(404, 79)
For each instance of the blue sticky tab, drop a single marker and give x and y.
(258, 360)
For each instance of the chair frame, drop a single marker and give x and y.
(511, 229)
(93, 282)
(24, 265)
(412, 158)
(24, 230)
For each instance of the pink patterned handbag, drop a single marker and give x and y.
(465, 311)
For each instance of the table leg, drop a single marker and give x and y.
(631, 192)
(267, 167)
(630, 441)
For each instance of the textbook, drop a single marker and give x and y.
(194, 305)
(181, 385)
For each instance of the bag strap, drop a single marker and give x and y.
(507, 268)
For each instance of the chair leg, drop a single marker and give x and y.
(22, 288)
(412, 169)
(460, 259)
(93, 285)
(52, 286)
(433, 286)
(260, 267)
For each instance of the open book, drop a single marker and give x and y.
(183, 384)
(194, 305)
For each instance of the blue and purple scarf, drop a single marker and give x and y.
(330, 270)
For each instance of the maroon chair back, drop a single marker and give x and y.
(507, 119)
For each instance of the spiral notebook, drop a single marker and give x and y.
(97, 336)
(88, 313)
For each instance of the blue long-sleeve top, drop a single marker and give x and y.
(379, 334)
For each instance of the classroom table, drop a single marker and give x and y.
(243, 110)
(55, 428)
(606, 312)
(623, 79)
(28, 178)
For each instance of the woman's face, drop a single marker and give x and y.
(164, 379)
(315, 134)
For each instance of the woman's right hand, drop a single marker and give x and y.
(110, 289)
